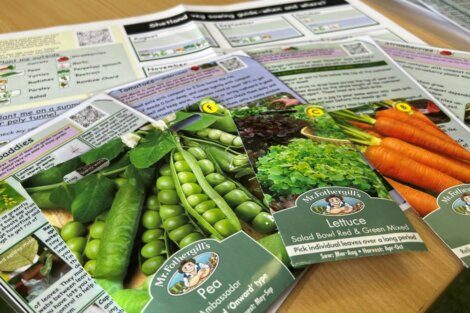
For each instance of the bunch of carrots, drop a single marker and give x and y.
(418, 159)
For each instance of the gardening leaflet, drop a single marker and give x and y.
(48, 71)
(430, 65)
(229, 76)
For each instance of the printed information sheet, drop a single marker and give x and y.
(444, 73)
(209, 185)
(232, 79)
(165, 94)
(46, 72)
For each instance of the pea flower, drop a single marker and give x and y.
(161, 125)
(130, 139)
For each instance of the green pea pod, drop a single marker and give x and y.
(177, 223)
(201, 142)
(225, 123)
(119, 234)
(245, 171)
(91, 234)
(199, 219)
(221, 157)
(249, 194)
(155, 243)
(228, 162)
(273, 243)
(219, 201)
(110, 286)
(219, 136)
(219, 170)
(257, 219)
(131, 300)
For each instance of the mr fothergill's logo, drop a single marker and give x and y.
(337, 205)
(192, 273)
(462, 205)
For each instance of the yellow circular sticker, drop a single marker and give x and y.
(403, 106)
(315, 111)
(209, 107)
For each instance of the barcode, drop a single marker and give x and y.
(355, 48)
(87, 117)
(94, 37)
(232, 64)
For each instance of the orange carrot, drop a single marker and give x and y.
(393, 128)
(360, 125)
(454, 168)
(418, 115)
(394, 165)
(373, 133)
(420, 201)
(406, 118)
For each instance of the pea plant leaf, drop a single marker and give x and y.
(120, 163)
(226, 123)
(93, 195)
(109, 151)
(63, 196)
(205, 120)
(140, 178)
(152, 148)
(53, 175)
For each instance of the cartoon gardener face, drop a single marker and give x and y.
(188, 267)
(466, 198)
(335, 201)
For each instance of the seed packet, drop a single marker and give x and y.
(403, 141)
(328, 202)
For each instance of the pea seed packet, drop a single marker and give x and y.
(328, 203)
(222, 249)
(149, 216)
(404, 141)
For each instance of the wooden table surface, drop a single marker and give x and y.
(406, 282)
